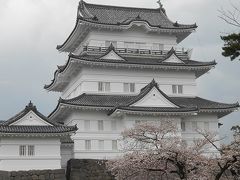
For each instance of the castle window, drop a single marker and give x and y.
(25, 150)
(31, 150)
(114, 145)
(87, 144)
(104, 86)
(177, 89)
(129, 87)
(100, 125)
(22, 150)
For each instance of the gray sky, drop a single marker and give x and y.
(31, 29)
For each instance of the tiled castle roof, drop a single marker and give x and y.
(91, 16)
(54, 127)
(36, 129)
(115, 15)
(111, 103)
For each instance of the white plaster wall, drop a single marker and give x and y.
(87, 81)
(139, 35)
(47, 154)
(107, 134)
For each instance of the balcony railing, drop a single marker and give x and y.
(131, 51)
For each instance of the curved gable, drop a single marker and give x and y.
(30, 119)
(154, 98)
(173, 59)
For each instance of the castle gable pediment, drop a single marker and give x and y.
(112, 55)
(154, 98)
(31, 119)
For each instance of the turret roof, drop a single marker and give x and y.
(116, 15)
(124, 102)
(91, 16)
(8, 126)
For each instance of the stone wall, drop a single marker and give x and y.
(34, 175)
(87, 170)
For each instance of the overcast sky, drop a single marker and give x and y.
(30, 30)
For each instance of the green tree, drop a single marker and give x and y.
(231, 46)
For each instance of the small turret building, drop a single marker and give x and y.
(29, 140)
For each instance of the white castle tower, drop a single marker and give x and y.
(124, 67)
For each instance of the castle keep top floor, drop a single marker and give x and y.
(124, 27)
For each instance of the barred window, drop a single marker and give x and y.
(31, 150)
(22, 150)
(26, 150)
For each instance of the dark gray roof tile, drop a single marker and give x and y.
(113, 101)
(36, 129)
(54, 127)
(115, 15)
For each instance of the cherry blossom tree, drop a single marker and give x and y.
(157, 151)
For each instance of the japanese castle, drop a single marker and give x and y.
(125, 67)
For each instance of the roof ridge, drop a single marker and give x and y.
(120, 7)
(21, 114)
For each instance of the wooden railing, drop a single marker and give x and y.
(130, 51)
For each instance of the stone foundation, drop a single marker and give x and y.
(34, 175)
(87, 170)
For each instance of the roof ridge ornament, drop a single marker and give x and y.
(160, 4)
(111, 47)
(30, 106)
(83, 11)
